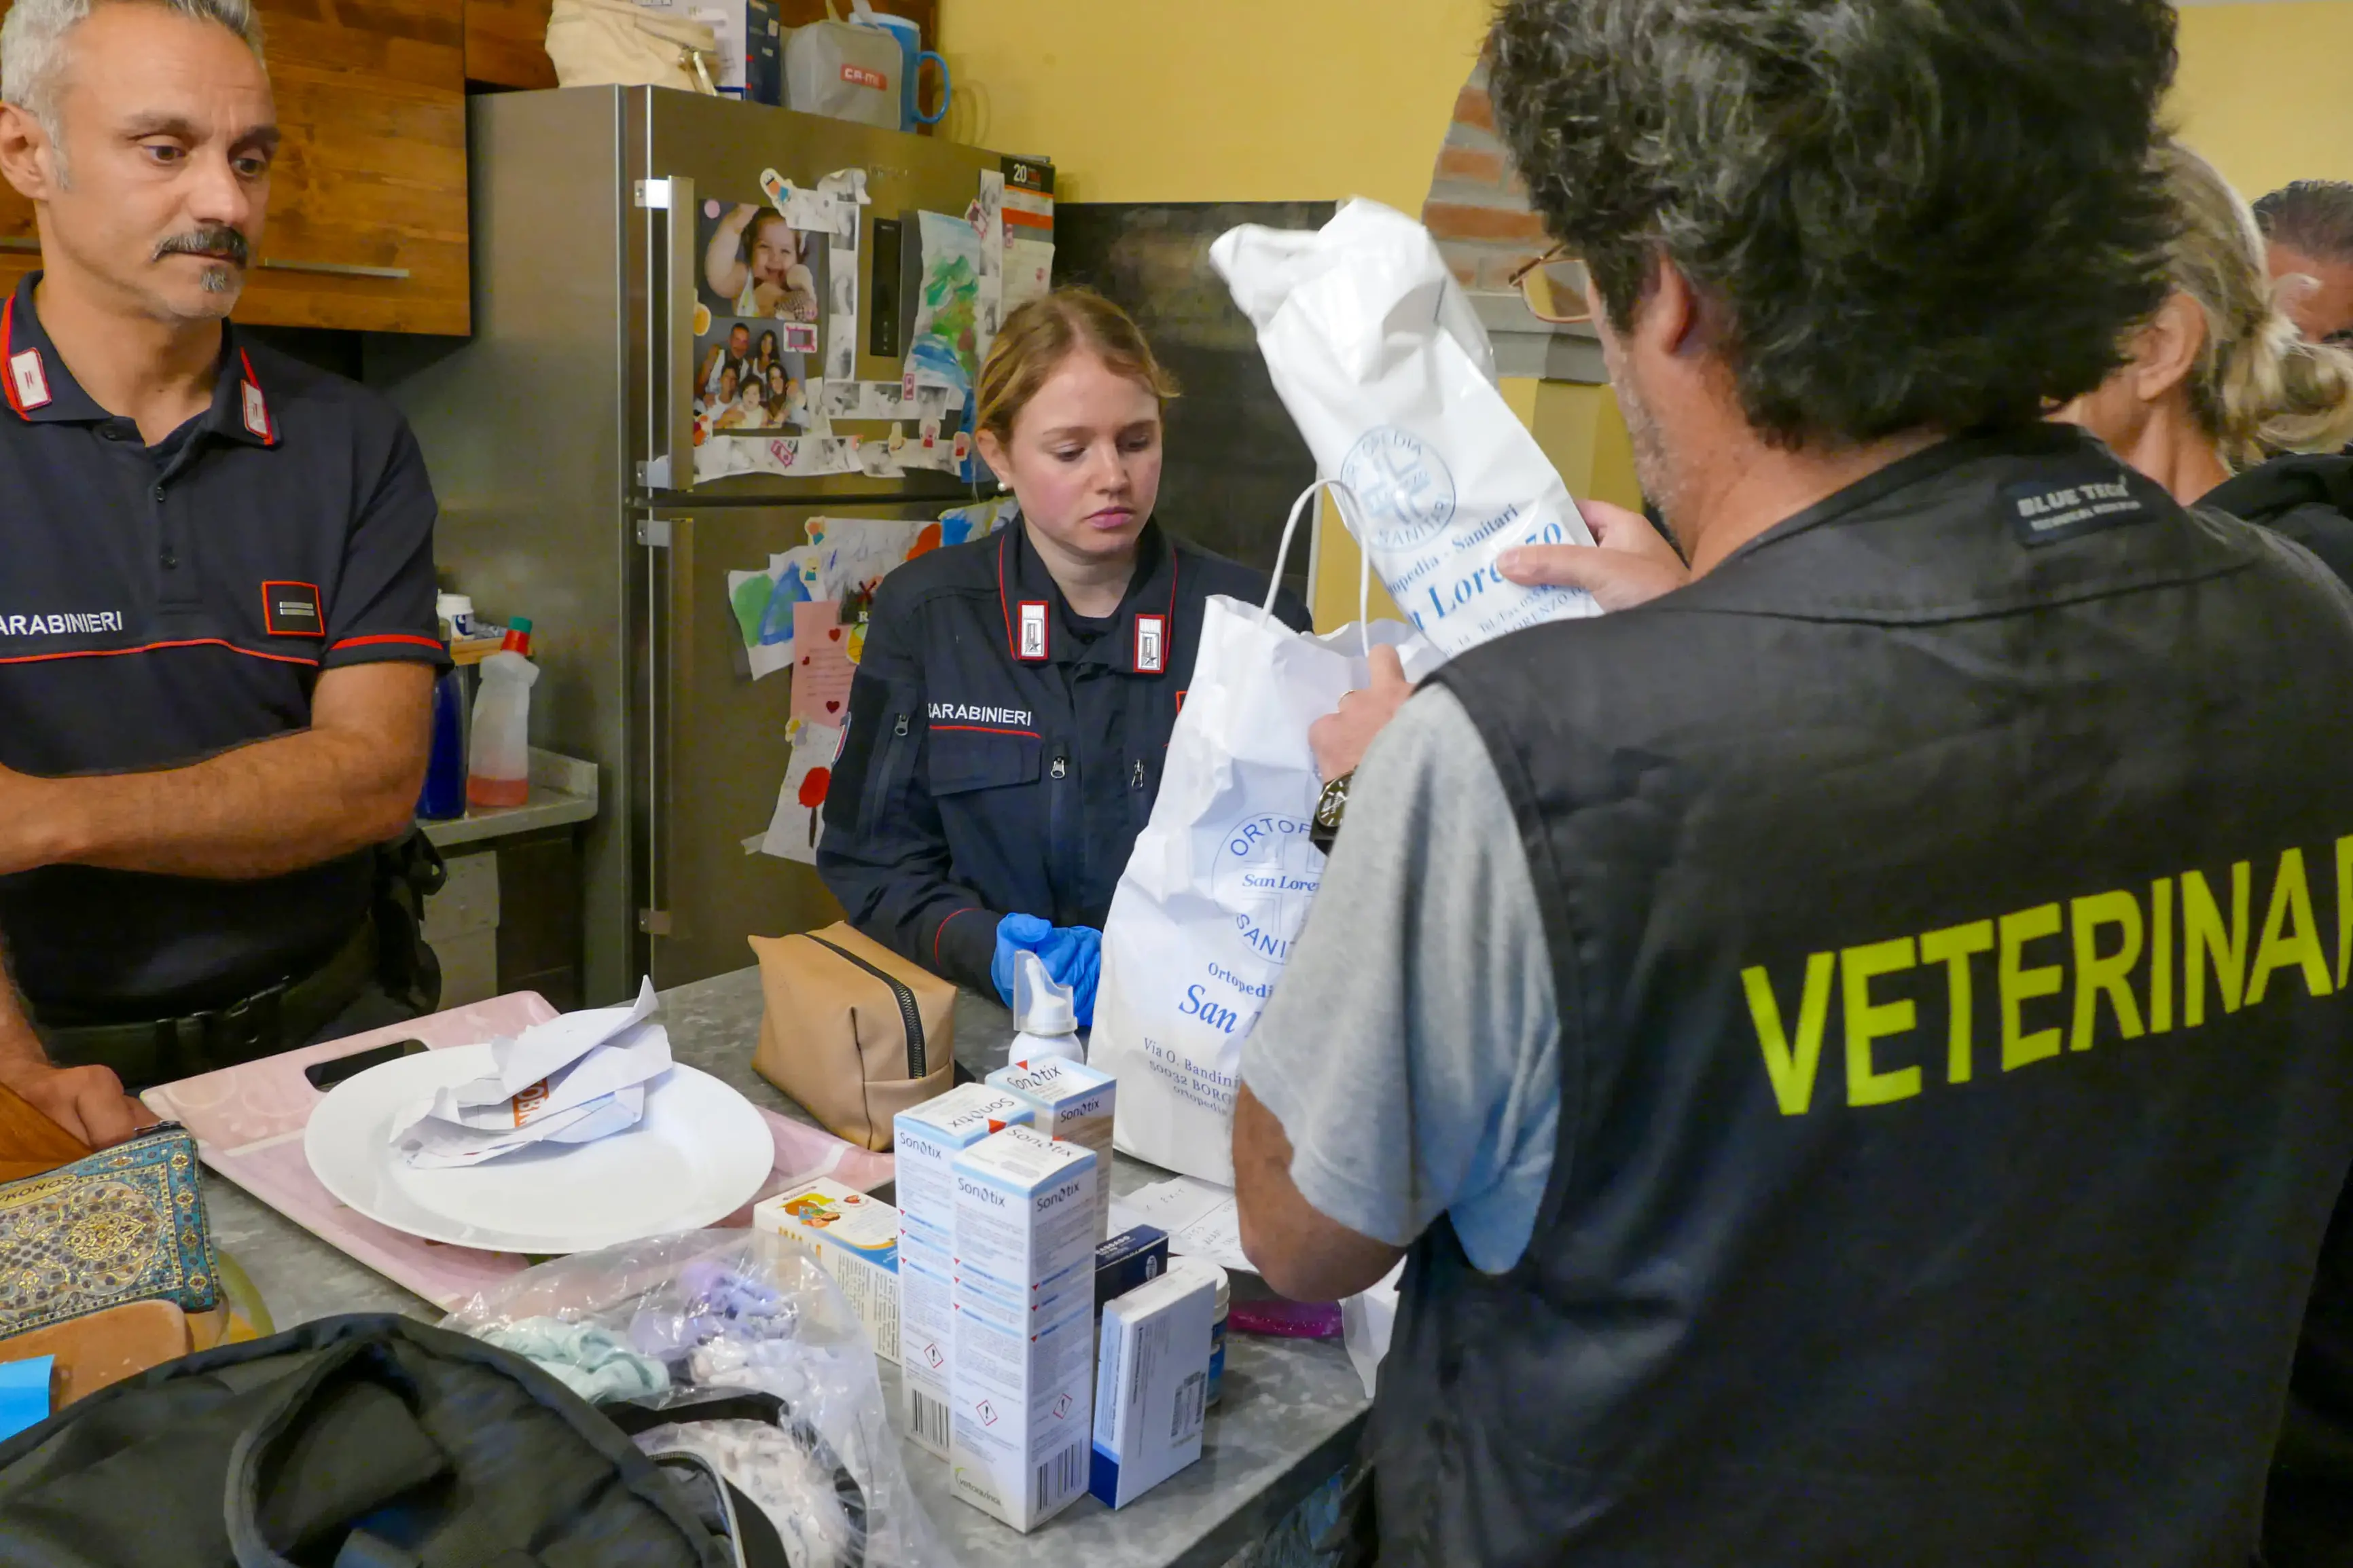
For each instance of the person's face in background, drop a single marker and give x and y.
(158, 189)
(727, 384)
(777, 381)
(1084, 459)
(739, 341)
(2325, 313)
(767, 348)
(775, 250)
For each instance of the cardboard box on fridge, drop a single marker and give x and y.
(856, 1240)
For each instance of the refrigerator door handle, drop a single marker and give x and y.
(657, 536)
(671, 466)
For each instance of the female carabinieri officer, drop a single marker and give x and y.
(1014, 702)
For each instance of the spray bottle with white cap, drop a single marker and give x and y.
(1044, 1013)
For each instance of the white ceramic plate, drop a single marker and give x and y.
(701, 1153)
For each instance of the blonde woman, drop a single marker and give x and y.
(2220, 380)
(1011, 712)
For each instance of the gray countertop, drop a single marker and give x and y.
(562, 792)
(1291, 1416)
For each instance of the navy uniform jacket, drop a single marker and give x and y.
(162, 604)
(997, 760)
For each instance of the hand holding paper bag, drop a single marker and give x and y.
(1378, 356)
(1222, 874)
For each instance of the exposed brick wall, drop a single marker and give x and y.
(1477, 207)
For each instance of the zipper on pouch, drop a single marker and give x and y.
(909, 1014)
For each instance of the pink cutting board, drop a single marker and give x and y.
(248, 1123)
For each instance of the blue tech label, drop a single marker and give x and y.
(1405, 487)
(2048, 510)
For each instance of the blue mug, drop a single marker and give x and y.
(911, 55)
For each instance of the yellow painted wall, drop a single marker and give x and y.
(1226, 100)
(2264, 90)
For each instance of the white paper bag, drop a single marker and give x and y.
(1221, 875)
(1381, 361)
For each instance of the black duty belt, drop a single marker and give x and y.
(147, 1052)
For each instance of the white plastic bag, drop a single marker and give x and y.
(1221, 876)
(709, 1312)
(1367, 1321)
(1382, 363)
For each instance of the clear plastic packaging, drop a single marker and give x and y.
(736, 1311)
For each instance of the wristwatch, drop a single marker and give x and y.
(1330, 807)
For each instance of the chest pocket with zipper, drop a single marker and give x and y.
(963, 760)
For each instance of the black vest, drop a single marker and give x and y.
(1949, 901)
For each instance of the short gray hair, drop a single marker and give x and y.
(33, 47)
(2315, 216)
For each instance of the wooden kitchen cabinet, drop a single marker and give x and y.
(506, 43)
(368, 205)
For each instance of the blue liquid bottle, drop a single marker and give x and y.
(444, 794)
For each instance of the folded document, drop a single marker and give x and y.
(569, 1080)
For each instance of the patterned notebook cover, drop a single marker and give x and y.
(249, 1124)
(126, 1223)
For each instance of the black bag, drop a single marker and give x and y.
(368, 1441)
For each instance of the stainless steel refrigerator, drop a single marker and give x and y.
(562, 438)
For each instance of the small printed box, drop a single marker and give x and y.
(928, 1137)
(856, 1240)
(1134, 1257)
(1019, 1437)
(1075, 1103)
(1020, 1370)
(1151, 1386)
(1024, 1243)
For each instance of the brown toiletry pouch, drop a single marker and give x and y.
(852, 1030)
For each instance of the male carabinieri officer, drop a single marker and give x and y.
(216, 635)
(1856, 1047)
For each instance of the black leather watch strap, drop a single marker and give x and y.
(1330, 807)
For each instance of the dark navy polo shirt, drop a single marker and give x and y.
(162, 604)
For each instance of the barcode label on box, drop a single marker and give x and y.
(931, 1420)
(1192, 1402)
(1060, 1477)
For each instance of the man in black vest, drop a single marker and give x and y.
(1851, 1050)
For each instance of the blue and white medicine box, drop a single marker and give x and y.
(1023, 1297)
(1152, 1386)
(1132, 1257)
(1075, 1103)
(928, 1138)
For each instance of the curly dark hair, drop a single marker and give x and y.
(1901, 213)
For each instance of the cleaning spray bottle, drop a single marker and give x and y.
(1044, 1013)
(499, 757)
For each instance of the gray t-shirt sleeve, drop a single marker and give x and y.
(1412, 1049)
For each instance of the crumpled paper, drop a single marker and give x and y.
(569, 1080)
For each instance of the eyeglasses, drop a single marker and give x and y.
(1553, 285)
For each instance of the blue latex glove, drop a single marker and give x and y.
(1073, 956)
